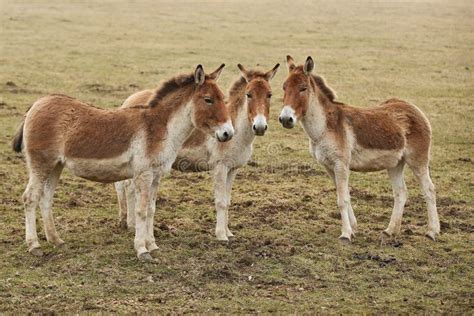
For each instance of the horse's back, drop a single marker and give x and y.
(138, 98)
(61, 125)
(417, 129)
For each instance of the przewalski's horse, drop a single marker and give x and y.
(249, 104)
(344, 138)
(112, 145)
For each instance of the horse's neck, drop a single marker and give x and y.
(243, 128)
(179, 127)
(315, 120)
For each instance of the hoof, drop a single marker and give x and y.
(344, 240)
(384, 237)
(59, 243)
(229, 234)
(431, 235)
(222, 237)
(145, 257)
(155, 253)
(37, 252)
(122, 225)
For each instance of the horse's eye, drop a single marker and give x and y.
(303, 89)
(249, 95)
(269, 95)
(208, 100)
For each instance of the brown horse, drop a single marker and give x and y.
(344, 138)
(249, 104)
(140, 142)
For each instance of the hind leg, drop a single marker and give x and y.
(31, 198)
(122, 201)
(131, 193)
(422, 173)
(46, 203)
(400, 197)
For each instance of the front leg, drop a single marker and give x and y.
(341, 176)
(143, 185)
(230, 180)
(352, 218)
(150, 242)
(220, 200)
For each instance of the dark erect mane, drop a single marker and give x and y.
(241, 82)
(169, 86)
(325, 89)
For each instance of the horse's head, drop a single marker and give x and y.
(298, 89)
(258, 94)
(210, 111)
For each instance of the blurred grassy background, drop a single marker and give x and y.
(285, 256)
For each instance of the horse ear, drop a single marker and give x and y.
(216, 74)
(199, 75)
(270, 74)
(290, 62)
(243, 72)
(308, 65)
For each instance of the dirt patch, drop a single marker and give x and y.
(382, 261)
(12, 87)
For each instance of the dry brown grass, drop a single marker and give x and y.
(285, 256)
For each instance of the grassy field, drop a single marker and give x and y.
(286, 256)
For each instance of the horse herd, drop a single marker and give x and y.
(186, 124)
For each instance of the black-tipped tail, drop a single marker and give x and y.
(17, 143)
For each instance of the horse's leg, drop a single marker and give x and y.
(46, 204)
(230, 180)
(143, 185)
(341, 175)
(131, 193)
(352, 218)
(31, 198)
(220, 200)
(151, 243)
(122, 201)
(422, 173)
(399, 198)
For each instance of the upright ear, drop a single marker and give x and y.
(308, 66)
(290, 62)
(244, 72)
(270, 74)
(216, 74)
(199, 75)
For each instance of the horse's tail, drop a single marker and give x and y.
(17, 143)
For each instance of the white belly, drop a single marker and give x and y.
(363, 159)
(101, 170)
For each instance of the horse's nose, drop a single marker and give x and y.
(259, 125)
(287, 121)
(259, 129)
(287, 117)
(225, 133)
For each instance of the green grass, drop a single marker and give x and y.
(285, 257)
